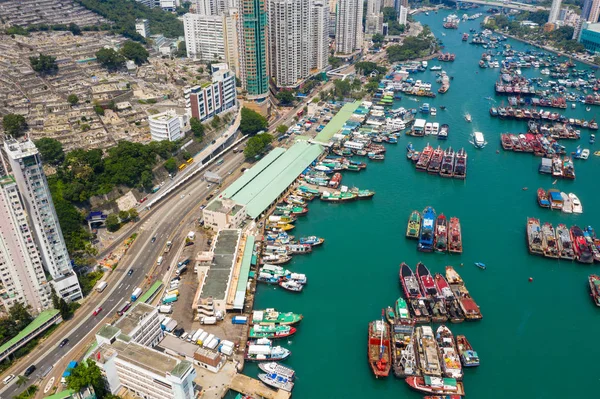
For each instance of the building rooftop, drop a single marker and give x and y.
(219, 275)
(270, 177)
(183, 348)
(139, 355)
(130, 320)
(107, 331)
(17, 149)
(240, 292)
(43, 318)
(592, 27)
(336, 123)
(8, 179)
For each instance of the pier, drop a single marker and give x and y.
(249, 386)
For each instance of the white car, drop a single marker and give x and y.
(8, 379)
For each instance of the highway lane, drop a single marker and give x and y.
(165, 222)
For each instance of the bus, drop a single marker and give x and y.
(151, 293)
(220, 161)
(123, 308)
(182, 166)
(190, 160)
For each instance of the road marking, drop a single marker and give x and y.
(120, 285)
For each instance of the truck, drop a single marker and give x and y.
(239, 320)
(169, 299)
(136, 294)
(101, 286)
(197, 335)
(173, 292)
(208, 320)
(171, 326)
(183, 263)
(213, 343)
(207, 340)
(168, 246)
(180, 270)
(165, 309)
(202, 338)
(72, 364)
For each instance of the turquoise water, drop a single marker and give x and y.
(536, 340)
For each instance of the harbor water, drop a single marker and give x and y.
(536, 340)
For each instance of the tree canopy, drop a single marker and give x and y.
(87, 374)
(109, 58)
(43, 64)
(257, 145)
(124, 13)
(411, 47)
(18, 318)
(335, 62)
(197, 127)
(365, 68)
(51, 150)
(73, 99)
(135, 52)
(252, 122)
(286, 97)
(14, 124)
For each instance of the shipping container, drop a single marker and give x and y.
(208, 320)
(213, 344)
(202, 338)
(227, 343)
(239, 320)
(197, 335)
(173, 292)
(226, 350)
(208, 339)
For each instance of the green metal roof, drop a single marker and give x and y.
(240, 293)
(148, 295)
(248, 175)
(61, 395)
(336, 123)
(39, 321)
(264, 187)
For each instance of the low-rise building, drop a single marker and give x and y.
(224, 214)
(211, 99)
(165, 126)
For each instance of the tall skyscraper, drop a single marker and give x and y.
(298, 39)
(26, 166)
(554, 11)
(204, 37)
(374, 20)
(212, 7)
(594, 11)
(349, 29)
(252, 34)
(21, 271)
(586, 9)
(403, 15)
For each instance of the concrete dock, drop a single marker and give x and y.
(249, 386)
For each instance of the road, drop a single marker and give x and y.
(163, 223)
(499, 4)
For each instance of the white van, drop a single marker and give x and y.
(8, 379)
(159, 260)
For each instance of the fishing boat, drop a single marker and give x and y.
(590, 236)
(272, 316)
(444, 130)
(468, 117)
(390, 315)
(271, 331)
(460, 167)
(549, 244)
(427, 354)
(277, 381)
(594, 281)
(414, 225)
(543, 198)
(402, 314)
(478, 140)
(271, 274)
(439, 397)
(436, 161)
(564, 242)
(262, 350)
(467, 303)
(337, 197)
(468, 356)
(441, 233)
(403, 355)
(582, 249)
(272, 367)
(378, 348)
(291, 285)
(534, 236)
(449, 357)
(295, 249)
(454, 312)
(424, 158)
(447, 168)
(417, 304)
(455, 236)
(311, 240)
(427, 233)
(428, 287)
(436, 385)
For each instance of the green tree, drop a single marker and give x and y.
(73, 99)
(133, 214)
(21, 380)
(98, 109)
(342, 88)
(286, 97)
(110, 59)
(87, 374)
(197, 127)
(252, 122)
(124, 216)
(65, 310)
(377, 39)
(257, 145)
(55, 298)
(146, 180)
(170, 165)
(282, 129)
(14, 124)
(51, 150)
(135, 51)
(112, 223)
(216, 121)
(335, 62)
(43, 64)
(74, 28)
(181, 50)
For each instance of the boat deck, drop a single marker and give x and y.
(249, 386)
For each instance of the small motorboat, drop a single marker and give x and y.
(468, 117)
(592, 138)
(480, 265)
